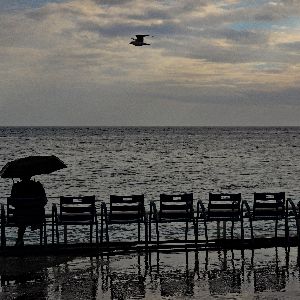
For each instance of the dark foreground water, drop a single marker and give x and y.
(150, 161)
(262, 274)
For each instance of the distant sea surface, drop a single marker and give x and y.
(152, 160)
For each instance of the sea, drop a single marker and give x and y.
(104, 161)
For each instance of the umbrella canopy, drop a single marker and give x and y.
(31, 165)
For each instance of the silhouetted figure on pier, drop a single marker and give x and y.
(29, 202)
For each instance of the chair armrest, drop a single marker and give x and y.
(248, 210)
(54, 212)
(203, 210)
(290, 203)
(153, 211)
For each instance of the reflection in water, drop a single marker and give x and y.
(226, 279)
(271, 277)
(174, 281)
(189, 275)
(126, 285)
(25, 286)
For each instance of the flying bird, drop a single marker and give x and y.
(139, 41)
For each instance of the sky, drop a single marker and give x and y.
(210, 63)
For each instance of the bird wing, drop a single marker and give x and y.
(140, 37)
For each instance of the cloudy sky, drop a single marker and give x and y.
(229, 62)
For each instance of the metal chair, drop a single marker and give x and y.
(75, 211)
(267, 206)
(173, 208)
(29, 213)
(221, 207)
(124, 210)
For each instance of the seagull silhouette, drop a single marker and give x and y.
(139, 41)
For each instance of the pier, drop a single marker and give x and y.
(222, 209)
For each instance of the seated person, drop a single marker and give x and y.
(28, 212)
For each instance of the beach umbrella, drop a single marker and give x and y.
(31, 165)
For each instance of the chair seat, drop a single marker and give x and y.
(76, 218)
(175, 215)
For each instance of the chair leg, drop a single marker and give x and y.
(206, 233)
(91, 233)
(3, 221)
(102, 224)
(287, 232)
(107, 236)
(65, 234)
(146, 234)
(242, 229)
(57, 233)
(45, 233)
(52, 229)
(149, 228)
(276, 227)
(41, 235)
(97, 233)
(157, 234)
(196, 233)
(186, 231)
(139, 231)
(251, 228)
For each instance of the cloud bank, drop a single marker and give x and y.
(224, 62)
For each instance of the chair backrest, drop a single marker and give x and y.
(25, 210)
(176, 207)
(269, 205)
(77, 209)
(224, 206)
(129, 209)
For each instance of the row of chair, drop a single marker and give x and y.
(172, 208)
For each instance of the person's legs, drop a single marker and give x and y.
(21, 231)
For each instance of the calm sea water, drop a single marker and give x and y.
(128, 160)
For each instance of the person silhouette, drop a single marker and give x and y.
(29, 211)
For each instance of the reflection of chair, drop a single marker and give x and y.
(75, 211)
(227, 278)
(271, 275)
(124, 210)
(269, 278)
(266, 206)
(177, 284)
(174, 282)
(28, 213)
(221, 207)
(173, 208)
(224, 281)
(125, 284)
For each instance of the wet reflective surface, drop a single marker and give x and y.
(259, 274)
